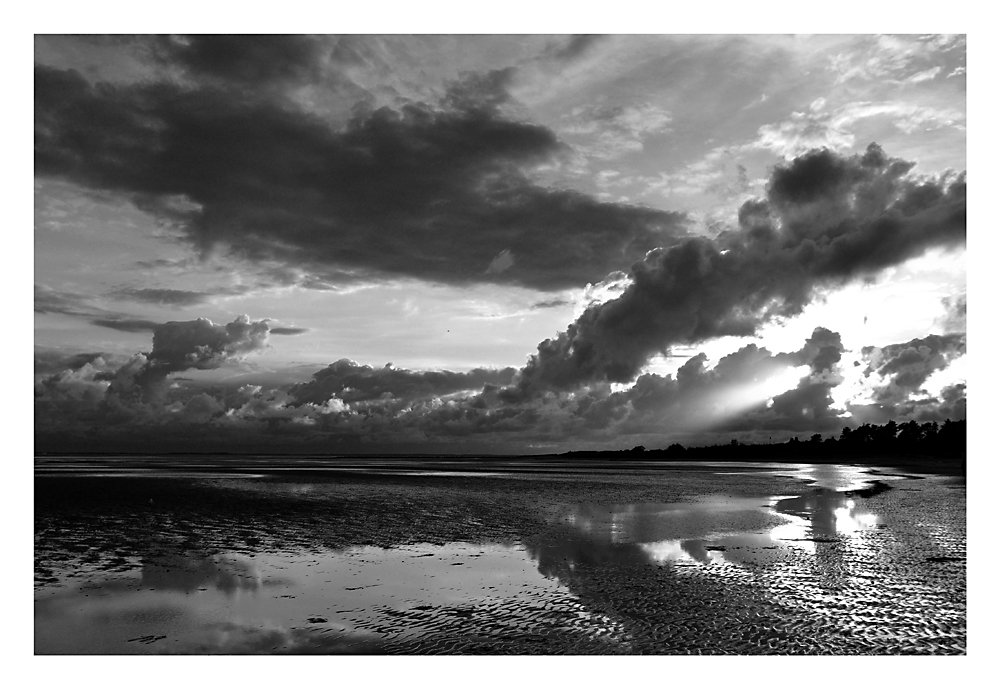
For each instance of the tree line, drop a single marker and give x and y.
(945, 441)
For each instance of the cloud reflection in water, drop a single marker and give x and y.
(719, 530)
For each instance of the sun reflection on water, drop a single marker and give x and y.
(718, 530)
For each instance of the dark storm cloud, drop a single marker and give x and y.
(352, 382)
(250, 60)
(827, 220)
(431, 192)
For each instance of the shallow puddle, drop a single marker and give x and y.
(359, 600)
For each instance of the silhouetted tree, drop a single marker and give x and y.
(675, 450)
(947, 442)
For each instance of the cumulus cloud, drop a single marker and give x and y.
(827, 219)
(52, 361)
(897, 371)
(201, 344)
(396, 191)
(183, 345)
(751, 391)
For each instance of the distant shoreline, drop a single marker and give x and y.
(915, 463)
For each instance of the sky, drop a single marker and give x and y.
(494, 244)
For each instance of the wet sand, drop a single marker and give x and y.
(226, 555)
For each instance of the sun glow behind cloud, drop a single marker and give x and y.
(732, 401)
(741, 399)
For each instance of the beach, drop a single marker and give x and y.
(209, 555)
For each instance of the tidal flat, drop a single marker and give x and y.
(236, 555)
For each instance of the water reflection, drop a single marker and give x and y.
(354, 600)
(828, 513)
(719, 530)
(191, 571)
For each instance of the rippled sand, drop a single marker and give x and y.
(495, 557)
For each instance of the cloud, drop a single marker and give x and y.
(574, 47)
(201, 344)
(550, 304)
(128, 325)
(809, 406)
(80, 384)
(502, 261)
(898, 371)
(610, 131)
(198, 409)
(892, 59)
(50, 301)
(954, 320)
(173, 297)
(394, 192)
(751, 392)
(711, 174)
(351, 382)
(804, 131)
(827, 219)
(163, 297)
(183, 345)
(245, 60)
(926, 75)
(750, 389)
(49, 361)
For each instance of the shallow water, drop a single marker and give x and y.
(448, 557)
